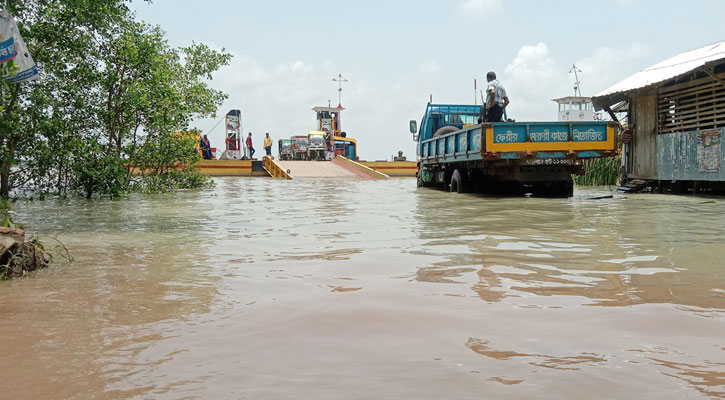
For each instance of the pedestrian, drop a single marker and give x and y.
(496, 99)
(268, 144)
(249, 145)
(205, 148)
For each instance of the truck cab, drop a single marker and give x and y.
(346, 147)
(451, 117)
(299, 147)
(285, 149)
(317, 145)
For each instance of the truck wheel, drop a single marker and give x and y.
(563, 188)
(568, 187)
(421, 183)
(458, 182)
(444, 130)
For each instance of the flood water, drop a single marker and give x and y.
(325, 289)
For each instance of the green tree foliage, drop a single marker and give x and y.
(111, 94)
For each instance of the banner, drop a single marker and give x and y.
(12, 47)
(7, 40)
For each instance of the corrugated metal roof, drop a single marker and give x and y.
(671, 68)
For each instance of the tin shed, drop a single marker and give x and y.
(676, 116)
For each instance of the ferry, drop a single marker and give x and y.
(326, 143)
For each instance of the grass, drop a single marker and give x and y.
(599, 172)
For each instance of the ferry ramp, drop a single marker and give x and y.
(322, 169)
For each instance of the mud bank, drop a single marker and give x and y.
(18, 257)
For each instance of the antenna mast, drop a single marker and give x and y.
(340, 80)
(577, 89)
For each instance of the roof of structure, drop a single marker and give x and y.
(674, 67)
(328, 109)
(571, 98)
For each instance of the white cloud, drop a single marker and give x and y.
(278, 99)
(430, 67)
(608, 65)
(626, 3)
(480, 7)
(533, 78)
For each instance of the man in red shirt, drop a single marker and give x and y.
(249, 145)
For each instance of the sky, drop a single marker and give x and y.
(396, 54)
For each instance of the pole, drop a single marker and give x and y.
(577, 90)
(475, 93)
(339, 80)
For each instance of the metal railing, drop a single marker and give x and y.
(274, 169)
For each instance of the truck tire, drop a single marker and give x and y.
(459, 182)
(444, 130)
(421, 183)
(568, 186)
(563, 188)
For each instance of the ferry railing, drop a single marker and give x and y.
(274, 169)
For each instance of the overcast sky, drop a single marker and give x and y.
(396, 54)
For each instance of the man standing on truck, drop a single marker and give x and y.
(496, 99)
(268, 145)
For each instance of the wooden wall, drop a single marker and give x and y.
(642, 160)
(689, 104)
(692, 106)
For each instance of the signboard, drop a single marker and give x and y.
(708, 150)
(545, 133)
(549, 133)
(589, 133)
(326, 124)
(509, 134)
(233, 140)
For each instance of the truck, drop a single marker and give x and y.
(346, 147)
(458, 153)
(299, 147)
(285, 149)
(316, 145)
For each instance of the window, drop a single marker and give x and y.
(692, 105)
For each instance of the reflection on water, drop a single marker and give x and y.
(329, 289)
(613, 252)
(538, 360)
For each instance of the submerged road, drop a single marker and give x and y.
(342, 288)
(317, 169)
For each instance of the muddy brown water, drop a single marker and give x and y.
(325, 289)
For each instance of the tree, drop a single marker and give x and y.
(60, 35)
(149, 91)
(111, 95)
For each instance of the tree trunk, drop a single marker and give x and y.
(5, 181)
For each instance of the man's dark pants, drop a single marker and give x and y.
(268, 149)
(494, 114)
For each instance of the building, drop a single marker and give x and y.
(676, 120)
